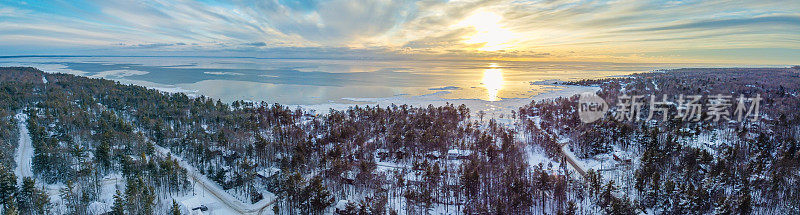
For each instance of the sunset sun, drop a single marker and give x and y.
(492, 81)
(488, 31)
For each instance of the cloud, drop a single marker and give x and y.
(725, 23)
(445, 88)
(155, 45)
(256, 44)
(11, 12)
(449, 39)
(368, 29)
(329, 22)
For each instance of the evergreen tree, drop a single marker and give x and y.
(175, 210)
(744, 206)
(31, 200)
(69, 196)
(103, 155)
(607, 196)
(10, 209)
(8, 186)
(119, 204)
(571, 208)
(723, 207)
(351, 208)
(139, 196)
(318, 196)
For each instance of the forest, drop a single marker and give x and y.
(398, 159)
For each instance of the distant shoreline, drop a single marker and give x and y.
(499, 109)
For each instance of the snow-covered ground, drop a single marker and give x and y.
(202, 196)
(210, 194)
(108, 186)
(24, 154)
(23, 157)
(536, 156)
(574, 162)
(205, 192)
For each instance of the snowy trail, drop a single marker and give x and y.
(218, 193)
(572, 160)
(24, 153)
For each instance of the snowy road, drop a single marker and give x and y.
(24, 153)
(230, 204)
(210, 194)
(572, 160)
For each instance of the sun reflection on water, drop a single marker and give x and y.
(492, 81)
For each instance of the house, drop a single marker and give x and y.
(433, 155)
(382, 154)
(266, 173)
(621, 160)
(457, 154)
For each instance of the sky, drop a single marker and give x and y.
(709, 31)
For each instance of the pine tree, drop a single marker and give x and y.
(10, 209)
(318, 195)
(8, 186)
(607, 196)
(103, 155)
(31, 200)
(24, 197)
(140, 197)
(723, 207)
(744, 206)
(571, 208)
(119, 204)
(175, 210)
(470, 182)
(70, 198)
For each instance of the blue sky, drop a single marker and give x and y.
(751, 32)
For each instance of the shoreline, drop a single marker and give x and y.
(493, 109)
